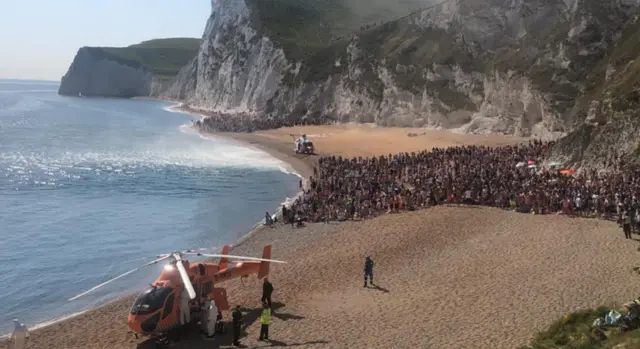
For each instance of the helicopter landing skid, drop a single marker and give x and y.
(162, 342)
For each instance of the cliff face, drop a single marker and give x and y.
(145, 69)
(537, 67)
(91, 74)
(477, 66)
(606, 116)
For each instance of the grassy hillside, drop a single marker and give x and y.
(304, 27)
(573, 331)
(163, 57)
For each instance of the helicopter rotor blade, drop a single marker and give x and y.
(118, 277)
(185, 276)
(234, 257)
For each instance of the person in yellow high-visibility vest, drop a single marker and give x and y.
(265, 320)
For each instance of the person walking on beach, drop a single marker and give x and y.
(19, 335)
(368, 271)
(237, 324)
(265, 320)
(625, 221)
(267, 290)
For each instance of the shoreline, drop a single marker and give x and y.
(429, 261)
(298, 169)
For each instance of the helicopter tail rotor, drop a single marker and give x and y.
(224, 262)
(264, 266)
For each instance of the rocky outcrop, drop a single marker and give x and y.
(183, 86)
(606, 116)
(93, 74)
(506, 66)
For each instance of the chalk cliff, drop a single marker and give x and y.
(145, 69)
(92, 75)
(506, 66)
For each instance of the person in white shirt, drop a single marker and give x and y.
(297, 145)
(19, 335)
(185, 310)
(212, 317)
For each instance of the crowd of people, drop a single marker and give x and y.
(509, 177)
(215, 122)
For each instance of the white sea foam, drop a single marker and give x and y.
(174, 108)
(48, 323)
(160, 152)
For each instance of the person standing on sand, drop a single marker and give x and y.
(20, 335)
(267, 290)
(368, 271)
(212, 319)
(237, 323)
(625, 221)
(265, 320)
(268, 220)
(185, 309)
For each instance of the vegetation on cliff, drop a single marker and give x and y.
(163, 57)
(306, 28)
(574, 331)
(301, 28)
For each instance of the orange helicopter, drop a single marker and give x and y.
(156, 311)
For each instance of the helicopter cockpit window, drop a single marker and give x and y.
(150, 300)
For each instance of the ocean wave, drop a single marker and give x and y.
(282, 166)
(5, 331)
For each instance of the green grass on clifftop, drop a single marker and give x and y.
(163, 57)
(573, 331)
(301, 27)
(304, 27)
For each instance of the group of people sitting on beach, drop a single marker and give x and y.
(343, 189)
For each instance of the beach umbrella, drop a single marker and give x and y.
(568, 171)
(531, 162)
(520, 164)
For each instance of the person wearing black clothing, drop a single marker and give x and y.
(625, 221)
(267, 290)
(237, 323)
(368, 271)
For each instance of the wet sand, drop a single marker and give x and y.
(447, 277)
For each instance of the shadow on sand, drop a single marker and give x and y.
(190, 337)
(378, 288)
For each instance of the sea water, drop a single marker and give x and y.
(91, 188)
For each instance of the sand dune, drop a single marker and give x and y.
(448, 277)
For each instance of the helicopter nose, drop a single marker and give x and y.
(143, 324)
(149, 325)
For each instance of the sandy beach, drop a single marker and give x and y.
(448, 277)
